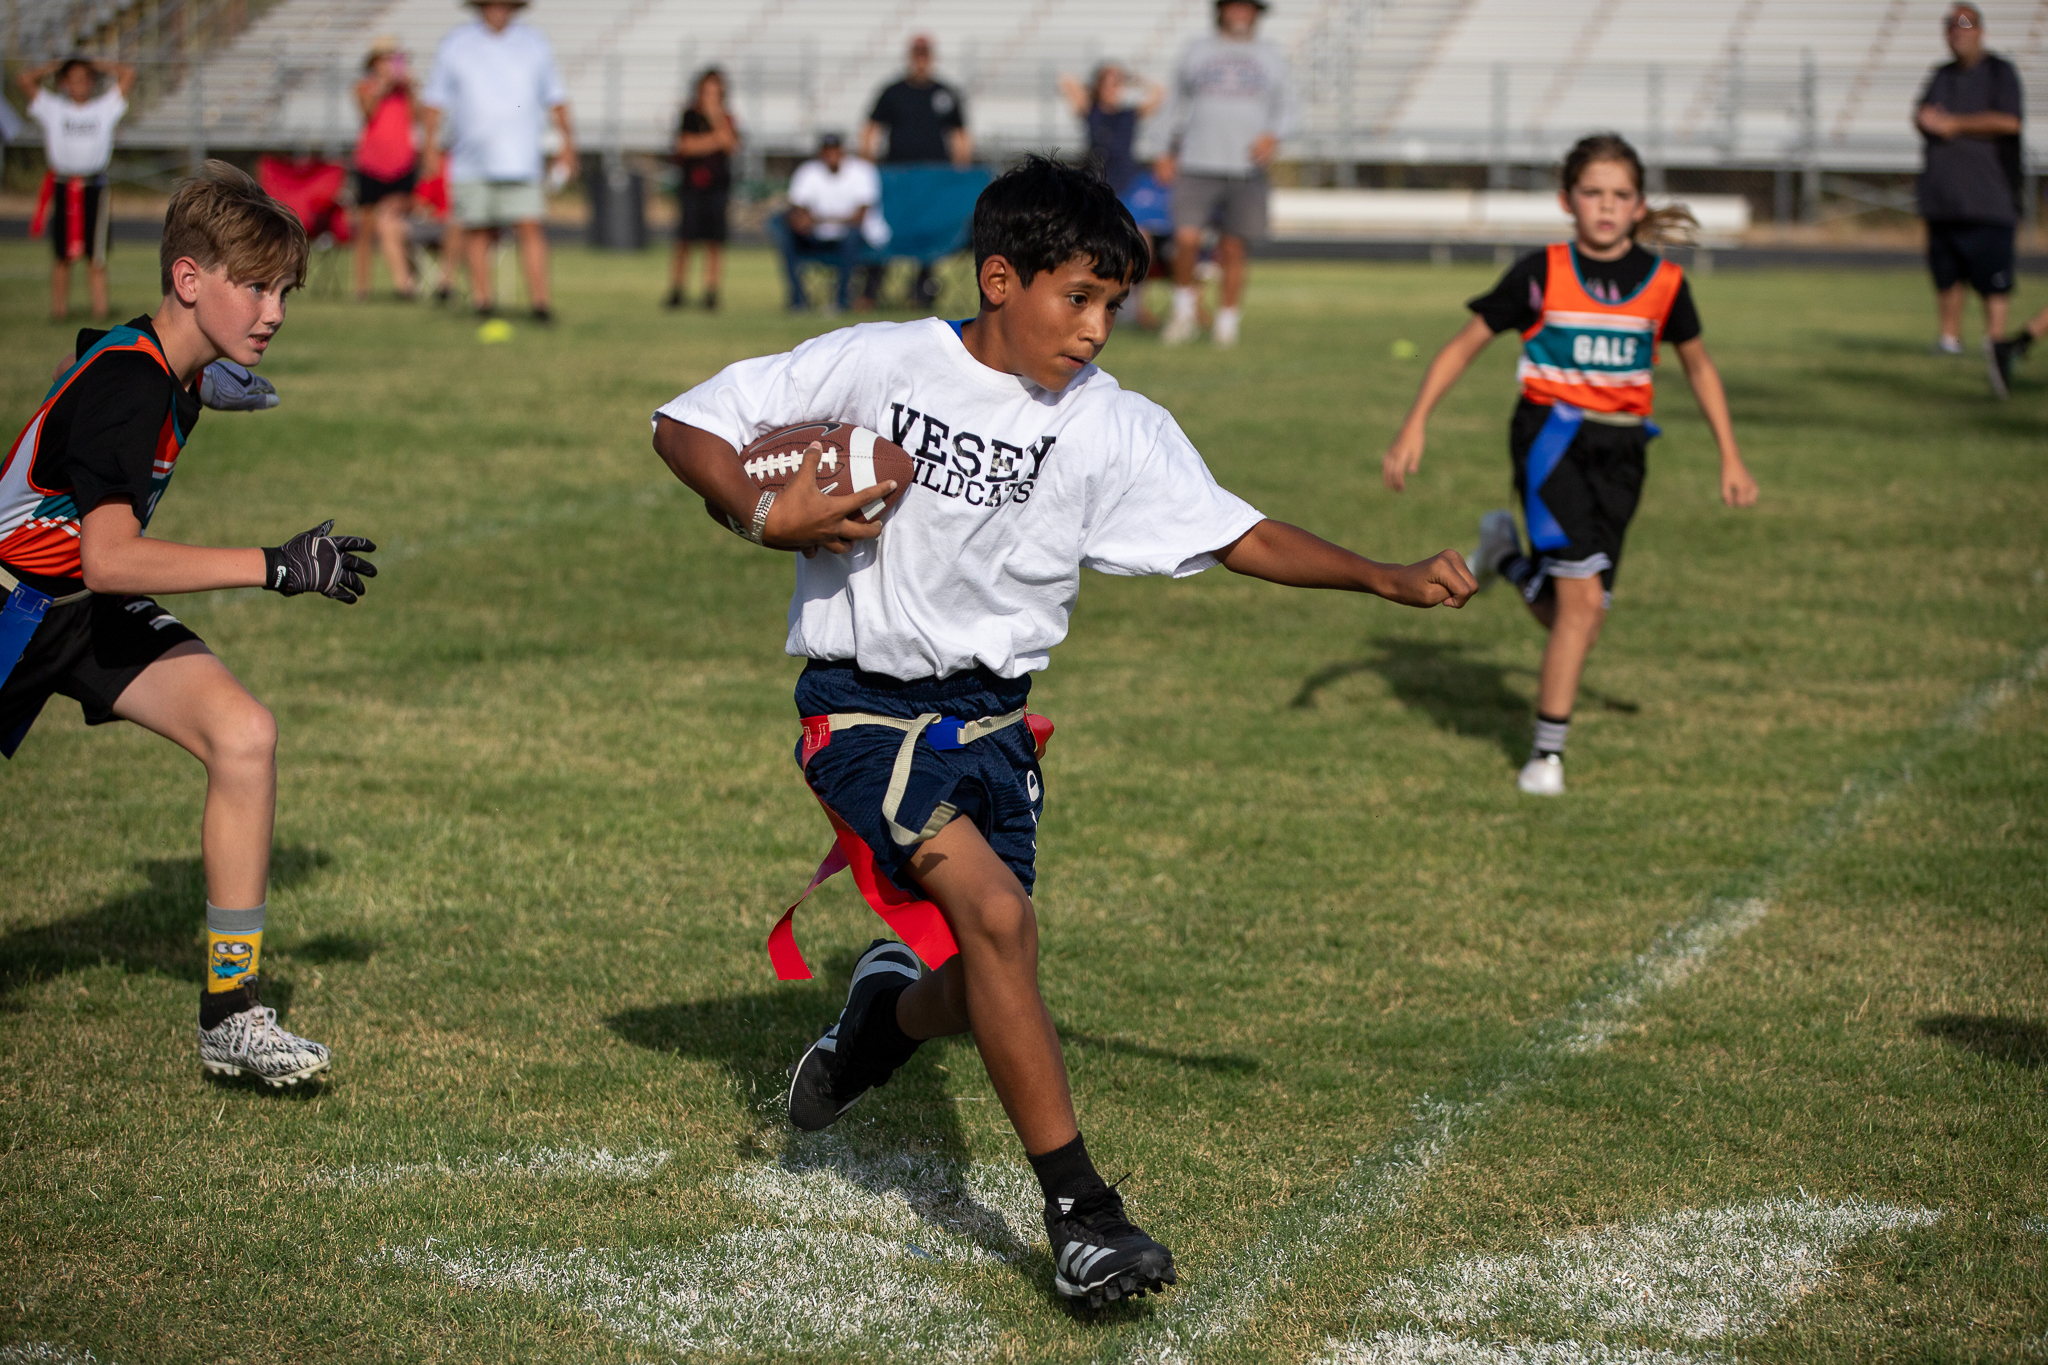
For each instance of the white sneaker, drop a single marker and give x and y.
(1542, 775)
(1947, 346)
(1497, 542)
(1179, 330)
(1224, 333)
(252, 1042)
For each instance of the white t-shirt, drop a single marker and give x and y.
(1018, 489)
(78, 139)
(835, 197)
(496, 91)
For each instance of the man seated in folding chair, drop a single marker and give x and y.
(829, 197)
(310, 186)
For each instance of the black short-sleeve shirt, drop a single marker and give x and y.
(918, 118)
(710, 173)
(100, 437)
(1517, 301)
(1973, 179)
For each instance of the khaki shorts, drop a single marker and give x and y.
(497, 203)
(1235, 204)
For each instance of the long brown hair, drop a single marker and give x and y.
(1673, 223)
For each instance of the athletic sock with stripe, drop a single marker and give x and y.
(234, 952)
(1550, 735)
(1066, 1174)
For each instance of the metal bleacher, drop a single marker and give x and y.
(1701, 83)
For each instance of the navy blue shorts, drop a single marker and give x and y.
(994, 781)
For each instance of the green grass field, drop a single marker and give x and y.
(1738, 1050)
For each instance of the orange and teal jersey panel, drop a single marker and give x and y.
(39, 525)
(1591, 354)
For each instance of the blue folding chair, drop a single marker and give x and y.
(930, 210)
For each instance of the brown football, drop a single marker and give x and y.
(854, 458)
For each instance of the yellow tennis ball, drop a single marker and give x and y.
(1403, 349)
(497, 329)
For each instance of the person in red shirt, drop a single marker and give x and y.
(387, 167)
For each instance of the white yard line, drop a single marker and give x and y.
(46, 1353)
(1439, 1348)
(539, 1163)
(1712, 1275)
(1221, 1301)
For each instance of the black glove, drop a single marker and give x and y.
(315, 561)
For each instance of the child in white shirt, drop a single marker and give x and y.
(922, 634)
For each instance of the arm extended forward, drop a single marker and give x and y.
(1292, 557)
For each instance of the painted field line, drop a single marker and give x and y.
(1225, 1299)
(539, 1163)
(1695, 1275)
(46, 1353)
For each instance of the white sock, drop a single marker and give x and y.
(1550, 734)
(1226, 319)
(1185, 300)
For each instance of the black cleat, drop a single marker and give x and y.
(1999, 356)
(1101, 1256)
(833, 1074)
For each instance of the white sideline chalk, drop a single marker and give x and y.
(755, 1292)
(540, 1163)
(1436, 1348)
(1698, 1275)
(46, 1353)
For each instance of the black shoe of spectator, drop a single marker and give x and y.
(674, 299)
(544, 316)
(711, 300)
(486, 310)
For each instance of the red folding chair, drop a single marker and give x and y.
(311, 188)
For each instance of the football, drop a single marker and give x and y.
(854, 458)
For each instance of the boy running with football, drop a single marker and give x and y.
(1591, 313)
(921, 635)
(76, 494)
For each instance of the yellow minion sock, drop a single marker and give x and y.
(234, 947)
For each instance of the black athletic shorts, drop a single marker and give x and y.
(371, 190)
(1981, 253)
(98, 221)
(1592, 493)
(703, 216)
(88, 651)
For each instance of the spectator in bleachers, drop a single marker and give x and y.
(78, 145)
(1969, 120)
(706, 139)
(926, 123)
(830, 197)
(1105, 107)
(1232, 100)
(387, 167)
(495, 82)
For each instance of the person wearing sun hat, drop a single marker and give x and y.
(496, 85)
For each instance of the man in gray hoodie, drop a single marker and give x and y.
(1232, 102)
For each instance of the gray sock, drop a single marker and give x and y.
(1550, 735)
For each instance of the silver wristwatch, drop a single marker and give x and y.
(760, 526)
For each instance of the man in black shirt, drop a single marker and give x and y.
(927, 123)
(1969, 117)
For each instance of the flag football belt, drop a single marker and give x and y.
(1546, 452)
(919, 923)
(74, 188)
(22, 614)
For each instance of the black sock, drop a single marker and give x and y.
(884, 1045)
(2022, 343)
(1066, 1174)
(1517, 568)
(215, 1006)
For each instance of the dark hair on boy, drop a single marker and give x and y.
(1673, 223)
(64, 68)
(1043, 213)
(222, 218)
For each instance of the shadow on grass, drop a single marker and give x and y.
(905, 1139)
(155, 930)
(1466, 695)
(1226, 1063)
(2016, 1042)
